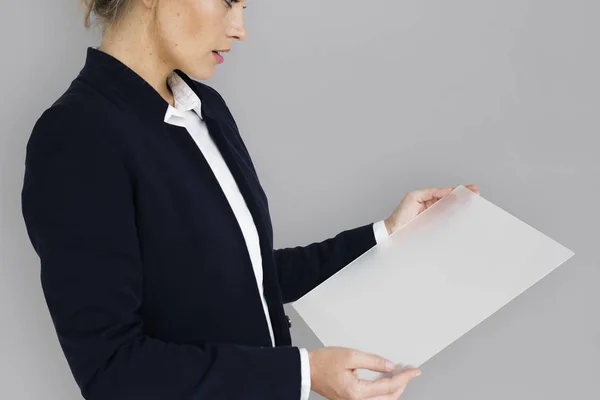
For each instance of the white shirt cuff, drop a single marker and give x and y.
(380, 231)
(305, 369)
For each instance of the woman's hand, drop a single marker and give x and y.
(415, 202)
(332, 375)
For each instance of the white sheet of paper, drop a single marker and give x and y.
(431, 282)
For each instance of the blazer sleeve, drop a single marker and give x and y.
(301, 269)
(77, 203)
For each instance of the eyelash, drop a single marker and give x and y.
(228, 2)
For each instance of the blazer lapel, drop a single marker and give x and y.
(252, 193)
(239, 169)
(222, 129)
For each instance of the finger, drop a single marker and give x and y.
(393, 396)
(473, 188)
(386, 386)
(427, 194)
(399, 392)
(429, 203)
(373, 362)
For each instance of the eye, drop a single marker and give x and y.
(230, 5)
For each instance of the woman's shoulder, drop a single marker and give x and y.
(79, 120)
(82, 103)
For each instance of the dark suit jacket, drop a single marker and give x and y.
(144, 268)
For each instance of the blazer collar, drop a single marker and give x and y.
(117, 80)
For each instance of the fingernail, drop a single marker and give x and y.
(390, 365)
(417, 373)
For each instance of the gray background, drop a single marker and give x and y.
(345, 106)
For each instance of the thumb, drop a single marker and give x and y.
(432, 193)
(387, 386)
(360, 360)
(441, 192)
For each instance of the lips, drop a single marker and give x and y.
(218, 54)
(218, 57)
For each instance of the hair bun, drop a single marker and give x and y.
(107, 11)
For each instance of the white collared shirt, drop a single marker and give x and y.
(187, 114)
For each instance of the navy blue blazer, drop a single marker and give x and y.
(144, 267)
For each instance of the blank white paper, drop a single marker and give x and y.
(431, 282)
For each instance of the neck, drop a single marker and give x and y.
(130, 44)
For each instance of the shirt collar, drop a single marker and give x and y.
(185, 97)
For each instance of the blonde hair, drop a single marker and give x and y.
(106, 11)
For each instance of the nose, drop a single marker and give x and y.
(236, 29)
(237, 33)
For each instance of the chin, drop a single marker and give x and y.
(200, 73)
(205, 74)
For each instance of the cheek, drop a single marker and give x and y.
(180, 26)
(193, 36)
(203, 22)
(190, 30)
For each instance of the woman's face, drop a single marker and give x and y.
(190, 31)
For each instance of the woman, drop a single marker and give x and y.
(154, 236)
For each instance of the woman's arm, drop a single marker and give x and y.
(300, 269)
(77, 202)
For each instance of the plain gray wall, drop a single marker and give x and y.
(344, 107)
